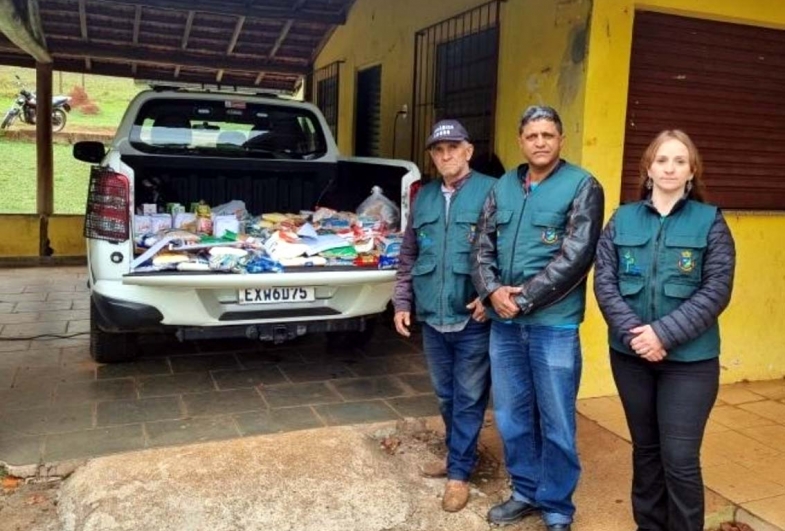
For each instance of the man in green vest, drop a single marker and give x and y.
(434, 275)
(535, 243)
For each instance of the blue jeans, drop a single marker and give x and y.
(536, 372)
(459, 368)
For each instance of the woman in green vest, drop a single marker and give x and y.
(663, 274)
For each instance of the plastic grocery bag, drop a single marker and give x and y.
(379, 206)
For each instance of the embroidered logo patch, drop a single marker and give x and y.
(629, 266)
(686, 262)
(549, 236)
(472, 233)
(423, 240)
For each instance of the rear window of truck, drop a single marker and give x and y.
(227, 128)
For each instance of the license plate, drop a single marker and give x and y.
(276, 295)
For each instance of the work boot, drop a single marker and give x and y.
(434, 469)
(510, 512)
(456, 495)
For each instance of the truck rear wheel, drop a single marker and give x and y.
(106, 347)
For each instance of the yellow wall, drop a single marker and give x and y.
(541, 61)
(19, 235)
(752, 347)
(534, 66)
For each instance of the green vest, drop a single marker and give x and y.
(529, 233)
(661, 265)
(441, 275)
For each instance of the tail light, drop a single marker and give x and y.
(414, 188)
(107, 216)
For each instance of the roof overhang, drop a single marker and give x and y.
(264, 44)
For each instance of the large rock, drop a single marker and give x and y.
(328, 479)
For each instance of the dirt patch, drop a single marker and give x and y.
(28, 506)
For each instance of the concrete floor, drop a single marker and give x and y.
(57, 406)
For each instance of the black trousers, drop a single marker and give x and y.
(667, 405)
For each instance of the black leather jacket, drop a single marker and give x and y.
(569, 267)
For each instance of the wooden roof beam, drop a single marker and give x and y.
(246, 9)
(187, 33)
(281, 37)
(137, 24)
(21, 23)
(173, 58)
(236, 35)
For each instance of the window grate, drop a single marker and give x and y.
(455, 76)
(326, 83)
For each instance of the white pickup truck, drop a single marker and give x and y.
(275, 154)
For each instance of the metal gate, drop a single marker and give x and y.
(455, 76)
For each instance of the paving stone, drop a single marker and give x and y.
(175, 384)
(287, 395)
(277, 421)
(28, 398)
(29, 330)
(7, 377)
(13, 346)
(255, 360)
(68, 296)
(83, 341)
(392, 365)
(315, 372)
(369, 388)
(21, 450)
(248, 378)
(138, 410)
(10, 287)
(95, 391)
(6, 307)
(415, 406)
(190, 430)
(141, 367)
(203, 362)
(79, 304)
(72, 355)
(40, 421)
(89, 443)
(42, 306)
(23, 297)
(420, 383)
(52, 375)
(6, 317)
(222, 402)
(29, 358)
(356, 412)
(49, 287)
(394, 347)
(78, 327)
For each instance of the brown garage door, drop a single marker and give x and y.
(724, 84)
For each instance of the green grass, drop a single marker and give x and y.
(110, 94)
(18, 179)
(18, 161)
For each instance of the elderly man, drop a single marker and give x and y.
(535, 243)
(434, 275)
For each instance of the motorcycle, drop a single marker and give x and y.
(25, 109)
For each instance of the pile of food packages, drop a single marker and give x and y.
(226, 238)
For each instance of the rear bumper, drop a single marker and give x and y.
(114, 315)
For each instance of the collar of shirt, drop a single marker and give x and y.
(523, 175)
(456, 185)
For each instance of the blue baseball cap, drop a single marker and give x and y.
(447, 131)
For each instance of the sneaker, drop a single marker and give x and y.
(456, 495)
(434, 469)
(510, 512)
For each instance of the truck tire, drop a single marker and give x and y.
(59, 117)
(106, 347)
